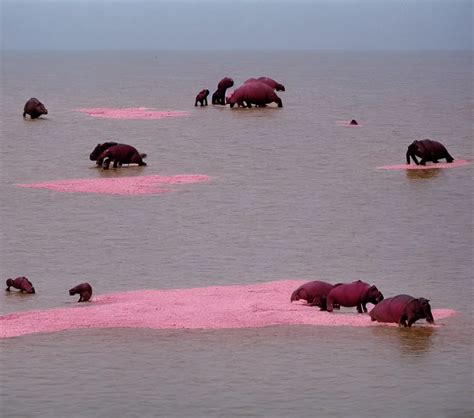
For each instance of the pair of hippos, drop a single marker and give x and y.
(255, 91)
(84, 290)
(402, 309)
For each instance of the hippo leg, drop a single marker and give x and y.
(359, 308)
(116, 162)
(106, 164)
(403, 321)
(279, 102)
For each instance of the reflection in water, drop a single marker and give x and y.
(414, 340)
(422, 174)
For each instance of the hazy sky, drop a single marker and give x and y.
(236, 24)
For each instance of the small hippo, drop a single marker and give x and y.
(354, 294)
(21, 283)
(84, 290)
(353, 122)
(315, 293)
(202, 98)
(118, 154)
(34, 108)
(402, 308)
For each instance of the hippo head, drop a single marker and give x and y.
(295, 296)
(41, 109)
(9, 282)
(225, 83)
(279, 87)
(99, 149)
(72, 291)
(373, 295)
(423, 309)
(412, 150)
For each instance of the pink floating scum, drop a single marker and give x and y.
(141, 113)
(429, 166)
(140, 185)
(216, 307)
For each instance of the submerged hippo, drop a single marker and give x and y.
(84, 290)
(21, 283)
(34, 108)
(119, 154)
(402, 308)
(354, 294)
(315, 293)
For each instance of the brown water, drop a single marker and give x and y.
(294, 194)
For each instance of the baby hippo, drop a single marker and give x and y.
(354, 294)
(34, 108)
(202, 98)
(84, 290)
(402, 308)
(21, 283)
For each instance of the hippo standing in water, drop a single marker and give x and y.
(202, 98)
(354, 294)
(119, 154)
(402, 308)
(34, 108)
(315, 293)
(427, 150)
(218, 97)
(255, 92)
(84, 290)
(21, 283)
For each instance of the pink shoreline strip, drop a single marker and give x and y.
(429, 166)
(141, 113)
(139, 185)
(217, 307)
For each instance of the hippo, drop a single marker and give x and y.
(21, 283)
(218, 97)
(315, 293)
(427, 150)
(256, 93)
(202, 98)
(402, 308)
(118, 154)
(84, 290)
(269, 82)
(34, 108)
(354, 294)
(99, 149)
(353, 122)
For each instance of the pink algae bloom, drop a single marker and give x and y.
(215, 307)
(139, 185)
(141, 113)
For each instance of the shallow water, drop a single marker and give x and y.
(294, 193)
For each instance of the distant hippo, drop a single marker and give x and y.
(255, 92)
(84, 290)
(402, 308)
(275, 85)
(354, 294)
(34, 108)
(427, 150)
(353, 122)
(118, 154)
(315, 293)
(202, 98)
(21, 283)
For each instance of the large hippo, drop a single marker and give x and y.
(354, 294)
(256, 93)
(21, 283)
(202, 97)
(427, 150)
(218, 97)
(117, 153)
(315, 293)
(275, 85)
(402, 308)
(34, 108)
(84, 290)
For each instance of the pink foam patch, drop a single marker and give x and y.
(140, 185)
(429, 166)
(216, 307)
(142, 113)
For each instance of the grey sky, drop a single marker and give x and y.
(236, 24)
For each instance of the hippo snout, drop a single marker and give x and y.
(71, 292)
